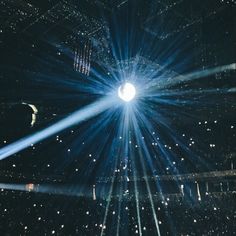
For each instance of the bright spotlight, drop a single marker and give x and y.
(127, 92)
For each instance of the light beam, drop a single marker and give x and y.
(75, 118)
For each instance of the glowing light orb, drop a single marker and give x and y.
(127, 92)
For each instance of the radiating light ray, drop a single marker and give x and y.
(108, 202)
(128, 114)
(75, 118)
(121, 130)
(163, 118)
(152, 207)
(147, 155)
(232, 90)
(142, 119)
(139, 119)
(65, 190)
(104, 83)
(206, 72)
(96, 129)
(119, 212)
(193, 76)
(145, 123)
(136, 192)
(17, 187)
(190, 92)
(137, 135)
(150, 199)
(94, 84)
(198, 99)
(126, 125)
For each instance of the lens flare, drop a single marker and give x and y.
(127, 92)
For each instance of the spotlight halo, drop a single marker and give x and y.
(127, 92)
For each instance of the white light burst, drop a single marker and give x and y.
(127, 92)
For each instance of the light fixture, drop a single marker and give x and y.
(127, 92)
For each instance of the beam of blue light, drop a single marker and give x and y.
(150, 198)
(137, 202)
(137, 132)
(206, 72)
(75, 118)
(119, 211)
(128, 112)
(111, 188)
(65, 190)
(195, 75)
(108, 203)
